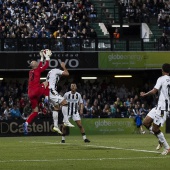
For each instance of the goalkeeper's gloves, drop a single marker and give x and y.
(42, 56)
(47, 53)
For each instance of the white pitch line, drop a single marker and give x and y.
(112, 147)
(105, 147)
(83, 159)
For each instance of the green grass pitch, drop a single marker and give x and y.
(124, 152)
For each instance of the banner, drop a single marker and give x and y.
(97, 126)
(73, 60)
(132, 60)
(106, 126)
(40, 127)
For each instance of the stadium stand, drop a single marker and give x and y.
(57, 21)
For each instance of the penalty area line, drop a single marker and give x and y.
(104, 147)
(83, 159)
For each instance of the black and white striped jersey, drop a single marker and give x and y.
(163, 86)
(74, 101)
(53, 78)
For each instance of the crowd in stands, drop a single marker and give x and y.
(141, 11)
(46, 18)
(101, 100)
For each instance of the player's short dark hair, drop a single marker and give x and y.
(166, 67)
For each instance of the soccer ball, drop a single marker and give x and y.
(47, 52)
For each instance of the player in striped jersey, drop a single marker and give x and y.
(55, 98)
(75, 109)
(157, 116)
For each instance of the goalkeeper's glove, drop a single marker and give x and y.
(47, 53)
(42, 56)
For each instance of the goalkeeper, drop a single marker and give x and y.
(35, 88)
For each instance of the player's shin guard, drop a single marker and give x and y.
(31, 117)
(55, 118)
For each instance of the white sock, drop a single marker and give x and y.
(55, 118)
(63, 137)
(162, 139)
(65, 113)
(84, 137)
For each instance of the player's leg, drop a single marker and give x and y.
(158, 120)
(34, 104)
(55, 119)
(58, 101)
(64, 106)
(141, 129)
(77, 119)
(147, 122)
(63, 134)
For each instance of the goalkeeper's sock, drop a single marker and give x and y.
(31, 117)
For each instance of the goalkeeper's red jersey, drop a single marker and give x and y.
(34, 76)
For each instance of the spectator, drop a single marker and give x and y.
(27, 110)
(118, 102)
(138, 121)
(96, 111)
(113, 108)
(116, 34)
(15, 112)
(87, 110)
(143, 111)
(164, 42)
(123, 110)
(7, 113)
(106, 111)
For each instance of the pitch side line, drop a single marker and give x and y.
(105, 147)
(83, 159)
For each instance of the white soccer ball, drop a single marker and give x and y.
(47, 52)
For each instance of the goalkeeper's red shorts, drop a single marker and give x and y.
(35, 94)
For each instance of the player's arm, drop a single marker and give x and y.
(47, 54)
(81, 108)
(81, 105)
(65, 96)
(65, 71)
(154, 90)
(151, 92)
(41, 59)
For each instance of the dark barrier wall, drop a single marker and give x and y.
(73, 60)
(39, 127)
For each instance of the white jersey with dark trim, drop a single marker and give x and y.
(53, 78)
(74, 100)
(163, 87)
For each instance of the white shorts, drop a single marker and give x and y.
(75, 117)
(156, 116)
(55, 99)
